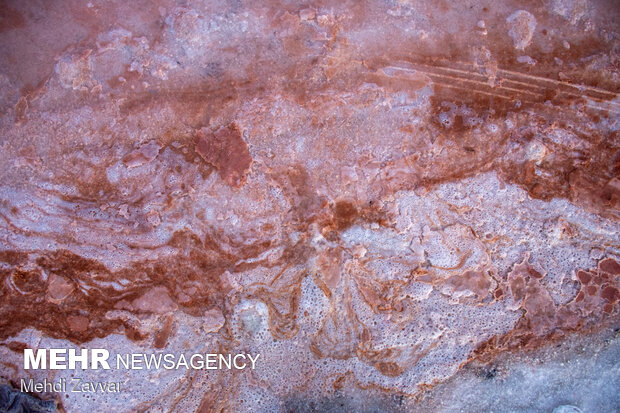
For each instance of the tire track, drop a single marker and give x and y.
(506, 84)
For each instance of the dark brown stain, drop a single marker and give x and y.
(226, 150)
(10, 18)
(345, 214)
(161, 336)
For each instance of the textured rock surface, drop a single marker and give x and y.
(373, 196)
(556, 379)
(13, 401)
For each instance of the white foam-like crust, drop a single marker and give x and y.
(438, 228)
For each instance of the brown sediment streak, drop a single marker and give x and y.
(498, 95)
(77, 295)
(78, 307)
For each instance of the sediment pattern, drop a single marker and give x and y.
(370, 195)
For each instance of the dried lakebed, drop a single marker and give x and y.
(390, 205)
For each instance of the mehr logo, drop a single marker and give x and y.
(60, 359)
